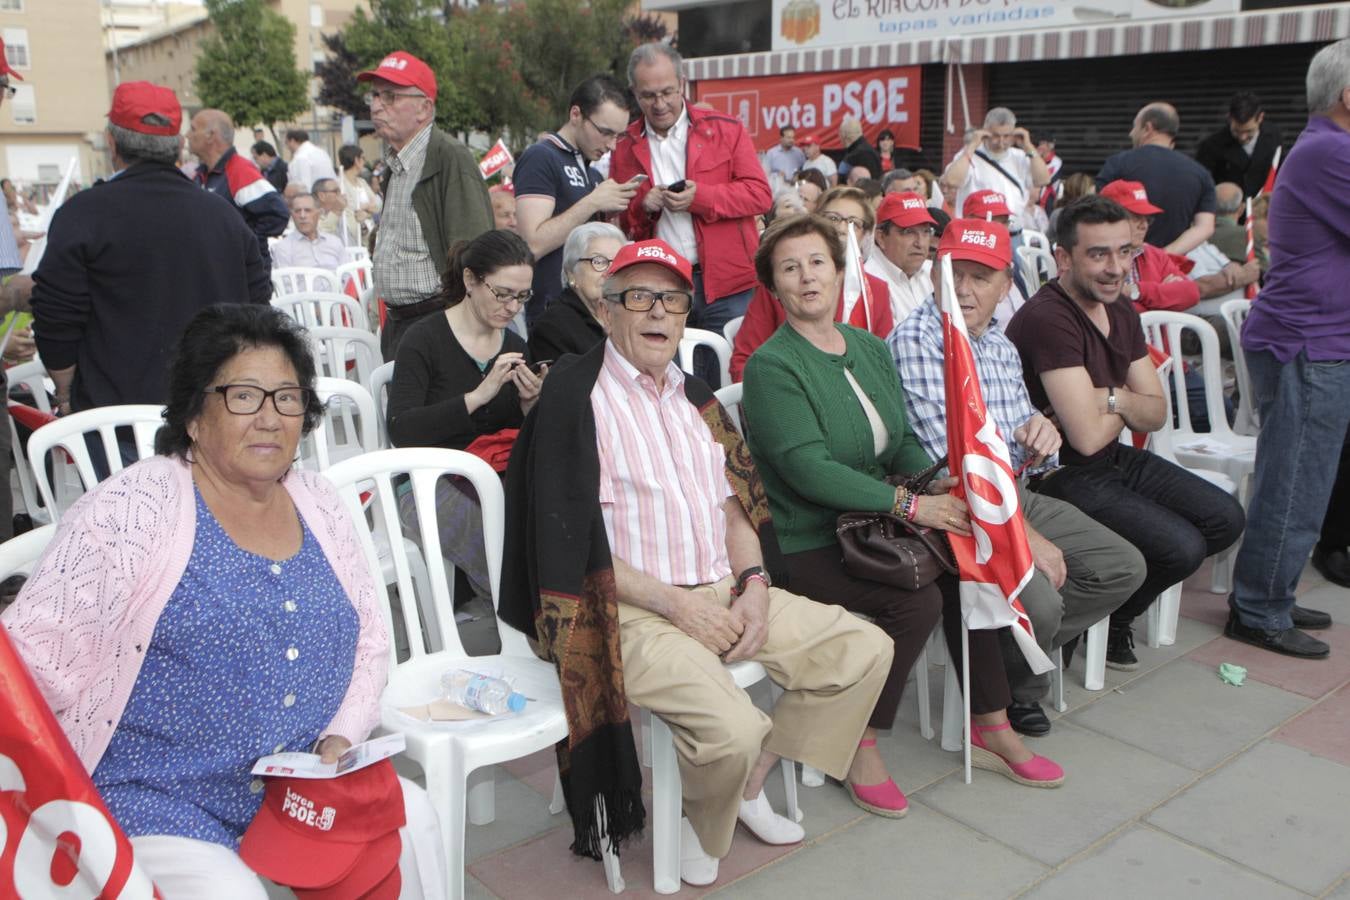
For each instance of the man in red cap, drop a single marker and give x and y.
(1157, 279)
(904, 234)
(1084, 359)
(660, 610)
(1084, 571)
(816, 159)
(434, 195)
(992, 206)
(132, 260)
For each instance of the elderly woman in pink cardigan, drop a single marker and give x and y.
(209, 606)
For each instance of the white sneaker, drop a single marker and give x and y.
(769, 826)
(696, 866)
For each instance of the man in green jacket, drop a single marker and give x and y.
(434, 195)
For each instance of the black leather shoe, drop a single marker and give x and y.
(1290, 641)
(1029, 719)
(1310, 619)
(1333, 564)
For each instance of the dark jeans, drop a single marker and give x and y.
(1304, 407)
(907, 618)
(713, 315)
(1175, 519)
(1336, 523)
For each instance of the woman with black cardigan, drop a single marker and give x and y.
(579, 318)
(461, 375)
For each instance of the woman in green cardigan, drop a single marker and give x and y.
(826, 425)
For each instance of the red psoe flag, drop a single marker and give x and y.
(1269, 186)
(496, 159)
(859, 308)
(58, 838)
(995, 562)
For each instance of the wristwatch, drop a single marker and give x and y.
(1111, 400)
(754, 573)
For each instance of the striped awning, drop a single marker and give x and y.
(1299, 25)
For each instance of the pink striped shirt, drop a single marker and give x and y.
(662, 476)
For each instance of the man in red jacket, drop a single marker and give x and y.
(708, 155)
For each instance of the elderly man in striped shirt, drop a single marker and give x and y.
(680, 553)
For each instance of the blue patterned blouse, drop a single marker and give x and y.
(250, 657)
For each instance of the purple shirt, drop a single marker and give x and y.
(1305, 303)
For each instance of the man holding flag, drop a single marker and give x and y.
(1083, 570)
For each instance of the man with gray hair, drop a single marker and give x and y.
(1229, 236)
(131, 260)
(998, 157)
(858, 153)
(1183, 186)
(902, 181)
(223, 171)
(1297, 341)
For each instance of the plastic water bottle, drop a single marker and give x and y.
(481, 692)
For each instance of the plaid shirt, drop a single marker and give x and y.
(403, 268)
(916, 347)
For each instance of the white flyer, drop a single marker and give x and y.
(307, 765)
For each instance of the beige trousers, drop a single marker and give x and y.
(830, 664)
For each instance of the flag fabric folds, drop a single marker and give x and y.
(858, 307)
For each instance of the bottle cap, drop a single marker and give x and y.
(516, 702)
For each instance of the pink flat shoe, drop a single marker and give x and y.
(884, 799)
(1035, 772)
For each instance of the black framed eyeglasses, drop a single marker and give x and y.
(836, 220)
(608, 134)
(247, 399)
(642, 299)
(505, 295)
(599, 262)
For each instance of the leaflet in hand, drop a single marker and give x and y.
(307, 765)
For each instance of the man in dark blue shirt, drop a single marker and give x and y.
(556, 188)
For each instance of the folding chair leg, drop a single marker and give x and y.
(559, 802)
(666, 806)
(1057, 682)
(951, 711)
(1221, 579)
(1094, 656)
(482, 797)
(1162, 617)
(613, 875)
(789, 769)
(922, 696)
(812, 777)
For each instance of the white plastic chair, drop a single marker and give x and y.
(19, 555)
(362, 274)
(357, 253)
(730, 397)
(33, 376)
(352, 354)
(1037, 265)
(358, 434)
(1094, 664)
(1038, 239)
(289, 280)
(731, 328)
(698, 337)
(456, 758)
(317, 309)
(1234, 314)
(68, 433)
(1219, 449)
(380, 379)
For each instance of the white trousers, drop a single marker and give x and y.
(188, 869)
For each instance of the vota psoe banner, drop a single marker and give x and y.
(815, 104)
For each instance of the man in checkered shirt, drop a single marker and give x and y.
(1083, 569)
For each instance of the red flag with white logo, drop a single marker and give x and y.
(858, 307)
(995, 562)
(1269, 186)
(497, 158)
(59, 839)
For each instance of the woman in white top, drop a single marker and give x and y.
(361, 199)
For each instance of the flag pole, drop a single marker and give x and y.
(965, 694)
(1251, 248)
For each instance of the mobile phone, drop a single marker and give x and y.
(534, 366)
(677, 187)
(637, 179)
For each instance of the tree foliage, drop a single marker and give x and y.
(337, 78)
(247, 67)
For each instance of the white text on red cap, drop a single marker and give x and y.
(302, 810)
(914, 204)
(393, 62)
(656, 253)
(1141, 195)
(980, 238)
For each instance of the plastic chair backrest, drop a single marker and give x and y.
(376, 472)
(730, 397)
(1033, 238)
(1234, 314)
(361, 272)
(320, 309)
(349, 353)
(324, 445)
(1037, 265)
(33, 376)
(731, 328)
(1164, 331)
(302, 279)
(19, 555)
(68, 433)
(698, 337)
(356, 254)
(378, 385)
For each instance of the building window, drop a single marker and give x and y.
(23, 106)
(11, 5)
(16, 47)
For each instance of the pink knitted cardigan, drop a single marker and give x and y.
(85, 617)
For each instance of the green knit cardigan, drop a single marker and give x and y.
(811, 440)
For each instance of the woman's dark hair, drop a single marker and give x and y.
(886, 135)
(348, 154)
(216, 335)
(485, 254)
(791, 227)
(1090, 210)
(814, 176)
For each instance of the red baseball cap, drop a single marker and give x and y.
(405, 69)
(656, 252)
(982, 204)
(1131, 195)
(135, 102)
(335, 838)
(977, 240)
(5, 68)
(809, 139)
(904, 210)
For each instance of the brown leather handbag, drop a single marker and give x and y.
(883, 547)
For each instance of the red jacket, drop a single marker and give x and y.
(1154, 265)
(720, 159)
(765, 314)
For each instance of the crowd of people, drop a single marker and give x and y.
(210, 605)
